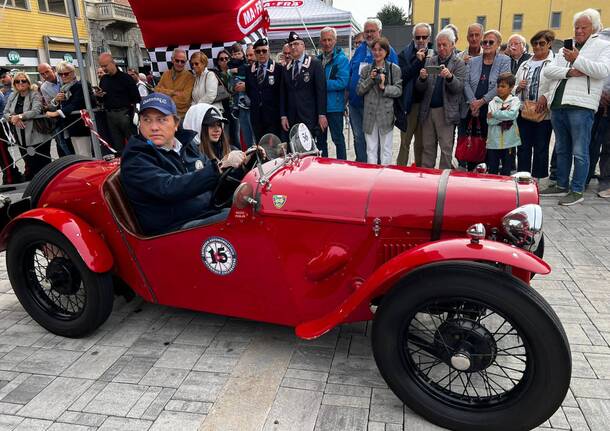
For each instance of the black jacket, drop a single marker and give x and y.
(164, 188)
(265, 98)
(75, 102)
(303, 99)
(410, 66)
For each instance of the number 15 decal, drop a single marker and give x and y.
(219, 256)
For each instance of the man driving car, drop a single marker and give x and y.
(167, 180)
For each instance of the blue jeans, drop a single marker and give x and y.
(572, 136)
(246, 127)
(335, 124)
(356, 114)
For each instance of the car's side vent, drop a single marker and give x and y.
(392, 249)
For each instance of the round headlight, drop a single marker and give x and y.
(523, 226)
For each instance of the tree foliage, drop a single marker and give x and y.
(392, 15)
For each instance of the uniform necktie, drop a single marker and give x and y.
(295, 70)
(260, 74)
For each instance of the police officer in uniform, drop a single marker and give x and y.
(303, 95)
(263, 82)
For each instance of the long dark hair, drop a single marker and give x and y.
(207, 147)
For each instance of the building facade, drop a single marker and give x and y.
(525, 17)
(113, 28)
(36, 31)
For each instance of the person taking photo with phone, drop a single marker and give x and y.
(577, 75)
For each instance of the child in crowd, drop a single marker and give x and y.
(503, 134)
(237, 72)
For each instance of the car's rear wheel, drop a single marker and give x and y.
(53, 283)
(47, 173)
(470, 347)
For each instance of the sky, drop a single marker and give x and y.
(362, 9)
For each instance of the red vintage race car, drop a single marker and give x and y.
(439, 260)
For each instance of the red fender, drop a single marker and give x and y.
(394, 269)
(89, 245)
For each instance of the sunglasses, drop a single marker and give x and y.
(488, 42)
(64, 73)
(223, 58)
(261, 51)
(179, 61)
(21, 81)
(421, 37)
(539, 43)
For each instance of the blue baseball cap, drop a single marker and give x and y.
(159, 101)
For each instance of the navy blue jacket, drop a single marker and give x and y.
(410, 66)
(164, 188)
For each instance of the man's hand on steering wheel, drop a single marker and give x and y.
(233, 160)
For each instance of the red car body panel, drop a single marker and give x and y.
(325, 233)
(439, 251)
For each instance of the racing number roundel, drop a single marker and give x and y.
(219, 256)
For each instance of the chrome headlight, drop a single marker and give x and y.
(523, 226)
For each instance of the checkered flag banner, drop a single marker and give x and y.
(161, 58)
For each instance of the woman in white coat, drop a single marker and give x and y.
(205, 88)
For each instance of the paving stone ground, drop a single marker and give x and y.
(151, 367)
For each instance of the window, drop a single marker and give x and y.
(482, 20)
(517, 22)
(445, 21)
(556, 20)
(56, 6)
(19, 4)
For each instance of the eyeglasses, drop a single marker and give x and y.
(370, 31)
(488, 42)
(195, 63)
(421, 37)
(64, 73)
(539, 43)
(179, 61)
(21, 81)
(223, 58)
(261, 51)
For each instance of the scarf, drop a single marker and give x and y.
(327, 58)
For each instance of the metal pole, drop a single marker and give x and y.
(435, 28)
(97, 150)
(500, 19)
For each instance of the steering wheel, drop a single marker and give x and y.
(220, 197)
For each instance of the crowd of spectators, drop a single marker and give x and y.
(514, 97)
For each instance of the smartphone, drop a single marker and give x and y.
(430, 52)
(434, 70)
(568, 44)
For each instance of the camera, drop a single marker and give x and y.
(379, 70)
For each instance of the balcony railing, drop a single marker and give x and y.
(112, 11)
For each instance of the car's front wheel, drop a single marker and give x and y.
(472, 348)
(53, 283)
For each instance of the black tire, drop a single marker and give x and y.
(40, 181)
(53, 283)
(466, 303)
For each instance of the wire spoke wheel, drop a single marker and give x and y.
(53, 283)
(472, 348)
(54, 280)
(465, 352)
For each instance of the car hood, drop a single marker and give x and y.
(399, 196)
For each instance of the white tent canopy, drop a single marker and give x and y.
(287, 16)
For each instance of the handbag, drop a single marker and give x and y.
(528, 112)
(471, 147)
(44, 126)
(222, 93)
(400, 114)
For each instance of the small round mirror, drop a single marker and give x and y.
(272, 146)
(243, 196)
(300, 139)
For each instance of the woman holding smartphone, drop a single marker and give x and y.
(380, 83)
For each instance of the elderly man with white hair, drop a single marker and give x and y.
(363, 56)
(577, 78)
(411, 60)
(442, 95)
(517, 49)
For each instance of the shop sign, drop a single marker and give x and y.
(13, 57)
(68, 58)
